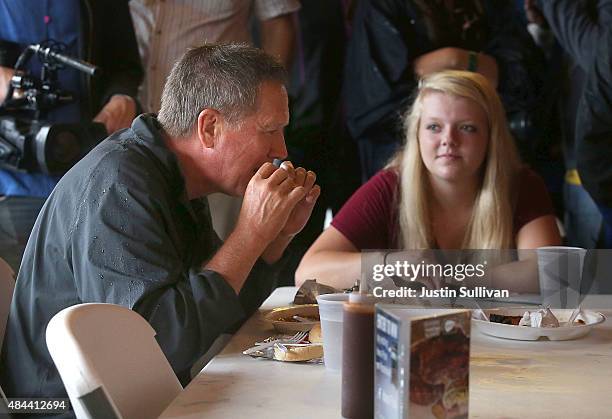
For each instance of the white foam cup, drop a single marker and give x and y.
(330, 312)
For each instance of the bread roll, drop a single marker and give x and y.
(298, 353)
(314, 336)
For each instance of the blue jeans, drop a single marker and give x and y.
(17, 217)
(582, 217)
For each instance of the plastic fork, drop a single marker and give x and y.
(298, 337)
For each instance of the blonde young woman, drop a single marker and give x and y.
(457, 184)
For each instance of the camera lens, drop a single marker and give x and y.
(64, 148)
(57, 147)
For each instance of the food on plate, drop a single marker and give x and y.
(310, 290)
(572, 324)
(315, 336)
(542, 317)
(296, 318)
(294, 353)
(289, 320)
(539, 318)
(503, 319)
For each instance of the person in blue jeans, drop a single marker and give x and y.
(95, 31)
(583, 29)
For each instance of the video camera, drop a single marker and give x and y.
(27, 141)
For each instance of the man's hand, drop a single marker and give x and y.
(301, 213)
(275, 200)
(534, 15)
(118, 113)
(269, 200)
(6, 74)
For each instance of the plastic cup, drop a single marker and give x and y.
(330, 313)
(560, 275)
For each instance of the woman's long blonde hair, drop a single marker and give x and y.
(491, 223)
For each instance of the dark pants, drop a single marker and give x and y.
(17, 217)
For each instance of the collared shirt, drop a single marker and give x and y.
(166, 28)
(118, 228)
(28, 22)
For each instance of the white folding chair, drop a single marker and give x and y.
(110, 362)
(7, 285)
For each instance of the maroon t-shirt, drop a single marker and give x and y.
(369, 218)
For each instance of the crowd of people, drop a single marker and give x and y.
(430, 125)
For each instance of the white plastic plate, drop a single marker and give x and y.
(564, 332)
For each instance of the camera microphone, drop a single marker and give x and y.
(48, 53)
(29, 142)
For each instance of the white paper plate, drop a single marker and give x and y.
(279, 318)
(507, 331)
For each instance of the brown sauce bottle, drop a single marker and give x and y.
(358, 357)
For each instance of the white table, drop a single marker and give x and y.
(508, 379)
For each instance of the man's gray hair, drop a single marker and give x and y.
(222, 77)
